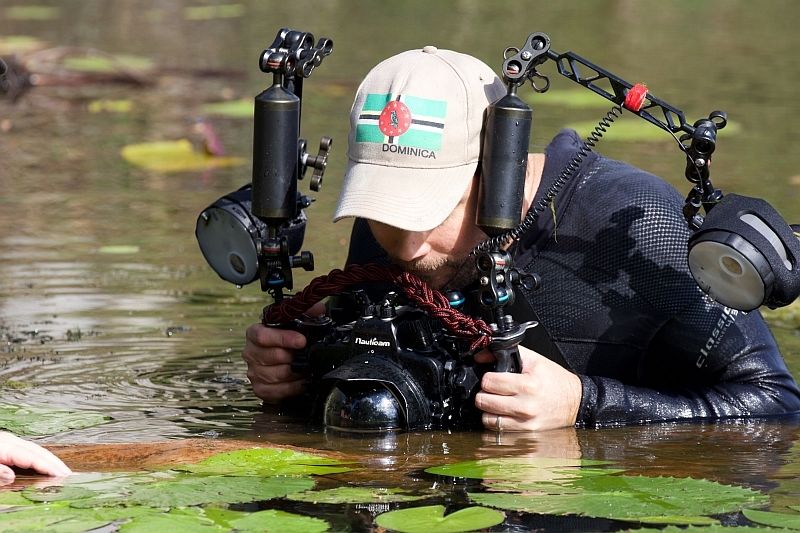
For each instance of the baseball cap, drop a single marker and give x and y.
(415, 137)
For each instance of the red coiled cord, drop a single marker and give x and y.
(418, 292)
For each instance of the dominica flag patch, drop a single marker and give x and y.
(403, 120)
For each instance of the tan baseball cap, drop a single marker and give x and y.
(415, 137)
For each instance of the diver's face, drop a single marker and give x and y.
(438, 255)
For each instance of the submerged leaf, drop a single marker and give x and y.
(268, 462)
(341, 495)
(431, 518)
(174, 156)
(30, 421)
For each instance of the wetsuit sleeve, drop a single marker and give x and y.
(732, 370)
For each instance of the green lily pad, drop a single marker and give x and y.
(769, 518)
(119, 249)
(242, 108)
(267, 462)
(520, 470)
(105, 64)
(174, 156)
(273, 520)
(32, 12)
(31, 421)
(635, 129)
(211, 12)
(57, 493)
(19, 44)
(342, 495)
(644, 499)
(58, 517)
(573, 98)
(200, 490)
(191, 519)
(12, 498)
(431, 519)
(110, 106)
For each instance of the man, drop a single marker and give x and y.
(635, 338)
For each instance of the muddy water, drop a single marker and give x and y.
(106, 305)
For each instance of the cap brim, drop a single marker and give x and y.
(413, 199)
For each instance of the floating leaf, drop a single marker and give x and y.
(213, 12)
(32, 12)
(192, 519)
(573, 98)
(341, 495)
(174, 156)
(636, 129)
(18, 44)
(518, 470)
(640, 498)
(196, 490)
(28, 421)
(57, 493)
(769, 518)
(110, 106)
(268, 462)
(119, 249)
(235, 108)
(273, 520)
(107, 63)
(60, 518)
(431, 519)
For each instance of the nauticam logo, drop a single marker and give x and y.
(372, 342)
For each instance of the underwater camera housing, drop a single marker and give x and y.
(391, 367)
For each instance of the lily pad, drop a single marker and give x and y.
(210, 12)
(32, 12)
(200, 490)
(119, 249)
(342, 495)
(635, 129)
(769, 518)
(572, 98)
(58, 517)
(644, 499)
(273, 520)
(431, 519)
(174, 156)
(110, 106)
(31, 421)
(268, 462)
(242, 108)
(19, 44)
(104, 63)
(191, 519)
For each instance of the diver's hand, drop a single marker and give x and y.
(20, 453)
(268, 353)
(543, 396)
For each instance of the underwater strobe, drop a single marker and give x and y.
(255, 232)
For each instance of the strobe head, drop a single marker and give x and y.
(229, 234)
(745, 255)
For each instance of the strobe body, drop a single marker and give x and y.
(504, 164)
(276, 118)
